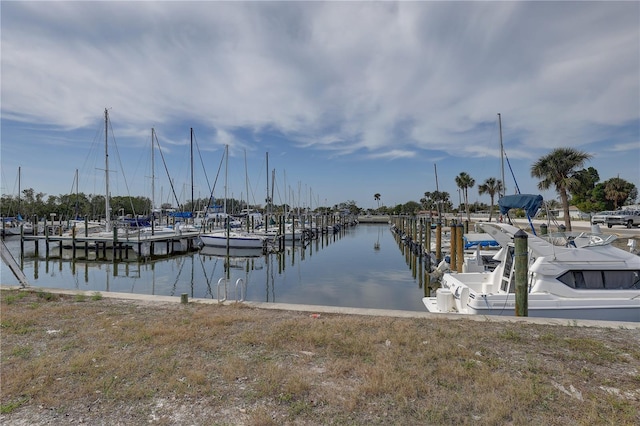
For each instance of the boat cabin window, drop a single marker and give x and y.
(601, 280)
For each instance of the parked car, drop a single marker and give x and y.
(628, 218)
(600, 217)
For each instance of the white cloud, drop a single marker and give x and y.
(385, 79)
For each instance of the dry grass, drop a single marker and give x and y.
(103, 361)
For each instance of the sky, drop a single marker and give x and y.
(343, 100)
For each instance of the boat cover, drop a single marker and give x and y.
(530, 203)
(183, 215)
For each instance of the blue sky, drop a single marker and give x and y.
(348, 99)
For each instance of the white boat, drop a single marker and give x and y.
(13, 226)
(570, 275)
(289, 234)
(233, 239)
(229, 237)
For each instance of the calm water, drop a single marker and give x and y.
(363, 267)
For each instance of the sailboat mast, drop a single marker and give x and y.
(226, 174)
(19, 199)
(267, 200)
(192, 201)
(107, 208)
(77, 196)
(153, 173)
(246, 180)
(227, 218)
(273, 184)
(504, 186)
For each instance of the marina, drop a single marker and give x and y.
(382, 264)
(363, 266)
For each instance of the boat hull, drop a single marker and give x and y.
(623, 309)
(233, 240)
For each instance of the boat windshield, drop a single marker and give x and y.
(578, 239)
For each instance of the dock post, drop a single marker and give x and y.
(544, 229)
(420, 235)
(22, 242)
(46, 240)
(73, 242)
(460, 247)
(34, 220)
(521, 272)
(414, 237)
(115, 243)
(438, 242)
(453, 252)
(427, 237)
(60, 243)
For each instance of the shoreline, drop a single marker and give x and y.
(324, 309)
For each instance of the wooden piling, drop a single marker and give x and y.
(427, 237)
(460, 247)
(521, 273)
(453, 252)
(73, 242)
(438, 242)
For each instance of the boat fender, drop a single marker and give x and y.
(443, 266)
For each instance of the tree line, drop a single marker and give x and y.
(562, 170)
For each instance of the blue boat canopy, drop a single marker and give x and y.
(530, 203)
(183, 215)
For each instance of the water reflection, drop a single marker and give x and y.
(337, 270)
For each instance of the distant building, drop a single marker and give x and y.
(574, 213)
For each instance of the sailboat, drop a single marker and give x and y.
(16, 225)
(105, 229)
(228, 238)
(99, 229)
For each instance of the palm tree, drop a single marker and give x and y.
(464, 182)
(616, 190)
(435, 200)
(376, 197)
(491, 186)
(558, 169)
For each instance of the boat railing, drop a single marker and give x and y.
(578, 239)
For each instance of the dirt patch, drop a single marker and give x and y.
(94, 360)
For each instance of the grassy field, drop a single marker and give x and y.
(94, 360)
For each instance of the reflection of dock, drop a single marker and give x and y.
(113, 248)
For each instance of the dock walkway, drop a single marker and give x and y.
(116, 247)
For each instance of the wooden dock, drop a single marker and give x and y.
(129, 247)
